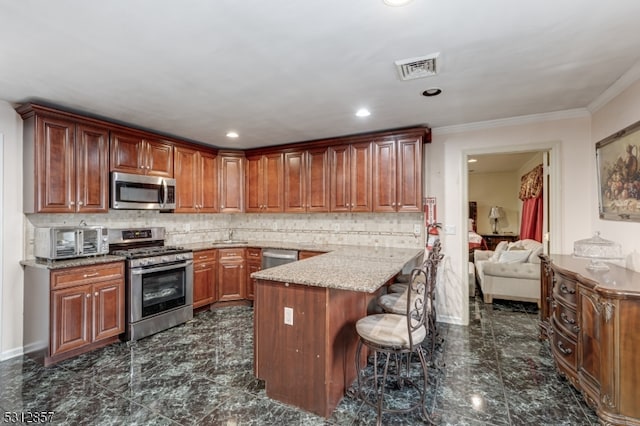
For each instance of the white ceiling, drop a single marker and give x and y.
(284, 71)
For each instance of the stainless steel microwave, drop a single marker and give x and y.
(62, 242)
(140, 192)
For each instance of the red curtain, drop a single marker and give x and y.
(531, 224)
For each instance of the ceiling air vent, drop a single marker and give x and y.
(424, 66)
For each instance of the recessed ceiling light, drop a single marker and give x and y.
(363, 112)
(232, 135)
(395, 3)
(472, 160)
(432, 91)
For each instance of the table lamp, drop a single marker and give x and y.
(494, 215)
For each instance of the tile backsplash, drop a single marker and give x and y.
(373, 229)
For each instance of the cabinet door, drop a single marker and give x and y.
(186, 173)
(254, 178)
(273, 183)
(231, 280)
(231, 184)
(251, 268)
(203, 283)
(92, 169)
(158, 158)
(71, 318)
(317, 180)
(294, 182)
(409, 172)
(126, 153)
(208, 179)
(589, 339)
(361, 177)
(340, 178)
(55, 170)
(108, 309)
(384, 176)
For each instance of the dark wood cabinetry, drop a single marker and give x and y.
(196, 173)
(264, 183)
(231, 274)
(254, 264)
(306, 181)
(65, 163)
(397, 174)
(205, 268)
(231, 182)
(591, 319)
(133, 152)
(350, 177)
(493, 240)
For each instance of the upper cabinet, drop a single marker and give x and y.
(263, 184)
(133, 152)
(350, 177)
(306, 181)
(65, 163)
(196, 174)
(231, 182)
(397, 174)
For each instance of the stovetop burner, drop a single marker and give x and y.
(140, 252)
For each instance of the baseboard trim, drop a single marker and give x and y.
(11, 353)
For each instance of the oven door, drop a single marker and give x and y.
(159, 289)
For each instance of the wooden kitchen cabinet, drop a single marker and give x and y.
(205, 268)
(138, 153)
(196, 174)
(231, 274)
(306, 181)
(231, 183)
(85, 307)
(350, 177)
(65, 163)
(591, 322)
(254, 264)
(397, 174)
(264, 183)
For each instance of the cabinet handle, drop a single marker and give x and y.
(72, 203)
(222, 206)
(94, 274)
(80, 203)
(88, 295)
(95, 294)
(565, 351)
(566, 319)
(566, 290)
(393, 204)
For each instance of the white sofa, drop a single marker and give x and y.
(510, 272)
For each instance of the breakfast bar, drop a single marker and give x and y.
(305, 314)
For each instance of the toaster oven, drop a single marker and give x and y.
(58, 242)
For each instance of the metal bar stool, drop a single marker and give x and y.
(396, 337)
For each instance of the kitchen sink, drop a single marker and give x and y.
(229, 242)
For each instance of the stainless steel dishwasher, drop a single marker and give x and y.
(276, 257)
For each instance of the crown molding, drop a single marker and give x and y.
(513, 121)
(620, 85)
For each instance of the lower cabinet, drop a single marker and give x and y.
(204, 277)
(231, 274)
(69, 311)
(254, 264)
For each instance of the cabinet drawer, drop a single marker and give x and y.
(566, 318)
(563, 346)
(86, 274)
(565, 290)
(231, 252)
(205, 255)
(254, 253)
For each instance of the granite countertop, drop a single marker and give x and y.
(70, 263)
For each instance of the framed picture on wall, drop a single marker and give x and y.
(619, 175)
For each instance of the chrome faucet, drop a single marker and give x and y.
(230, 235)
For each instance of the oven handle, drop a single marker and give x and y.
(141, 271)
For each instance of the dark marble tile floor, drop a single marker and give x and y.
(495, 372)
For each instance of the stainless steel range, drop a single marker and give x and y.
(159, 281)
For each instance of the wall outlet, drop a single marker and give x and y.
(417, 229)
(288, 315)
(450, 229)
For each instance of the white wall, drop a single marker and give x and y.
(617, 114)
(12, 238)
(567, 135)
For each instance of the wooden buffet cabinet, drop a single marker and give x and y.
(592, 321)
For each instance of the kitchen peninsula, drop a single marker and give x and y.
(305, 315)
